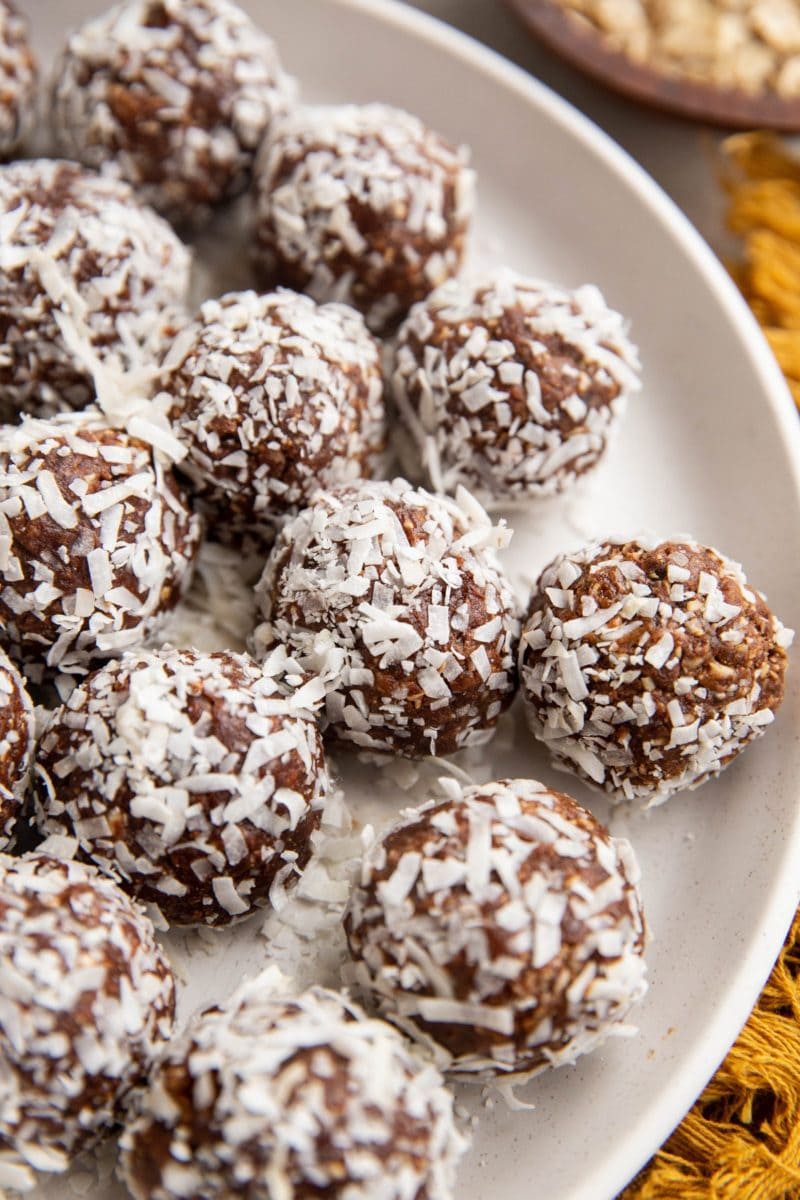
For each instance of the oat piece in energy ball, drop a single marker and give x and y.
(395, 597)
(362, 204)
(647, 666)
(187, 776)
(274, 397)
(503, 927)
(510, 386)
(17, 736)
(97, 541)
(295, 1097)
(17, 81)
(89, 278)
(173, 95)
(88, 1000)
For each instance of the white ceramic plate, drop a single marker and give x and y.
(712, 448)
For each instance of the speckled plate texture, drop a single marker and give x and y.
(710, 447)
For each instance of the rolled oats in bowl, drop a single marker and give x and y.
(745, 45)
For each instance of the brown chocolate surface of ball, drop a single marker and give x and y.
(17, 736)
(175, 95)
(99, 541)
(300, 1096)
(88, 1000)
(503, 927)
(89, 279)
(395, 597)
(18, 77)
(647, 667)
(361, 204)
(190, 777)
(274, 397)
(510, 386)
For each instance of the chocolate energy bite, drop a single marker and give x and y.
(18, 78)
(187, 776)
(502, 927)
(273, 397)
(648, 666)
(173, 95)
(96, 541)
(396, 599)
(362, 204)
(89, 278)
(298, 1097)
(87, 1000)
(17, 736)
(510, 386)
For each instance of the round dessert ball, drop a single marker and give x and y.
(97, 541)
(648, 666)
(17, 737)
(503, 928)
(174, 95)
(18, 78)
(510, 386)
(296, 1097)
(89, 279)
(188, 777)
(362, 204)
(396, 599)
(87, 1001)
(273, 397)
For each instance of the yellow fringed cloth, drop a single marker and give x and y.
(763, 185)
(741, 1140)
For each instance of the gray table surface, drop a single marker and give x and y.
(677, 153)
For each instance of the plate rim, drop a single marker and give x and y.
(755, 965)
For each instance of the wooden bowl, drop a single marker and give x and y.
(729, 108)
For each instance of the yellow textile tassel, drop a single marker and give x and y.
(741, 1140)
(762, 180)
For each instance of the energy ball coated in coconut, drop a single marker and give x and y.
(510, 386)
(88, 277)
(173, 95)
(98, 541)
(362, 204)
(396, 599)
(17, 81)
(87, 1000)
(502, 927)
(648, 666)
(187, 776)
(273, 397)
(292, 1097)
(17, 737)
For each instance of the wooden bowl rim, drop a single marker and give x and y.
(728, 108)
